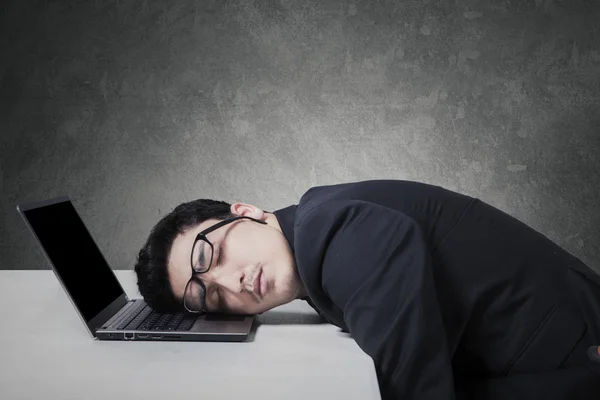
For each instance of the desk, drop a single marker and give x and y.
(47, 353)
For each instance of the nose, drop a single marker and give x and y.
(231, 280)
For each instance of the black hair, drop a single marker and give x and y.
(152, 260)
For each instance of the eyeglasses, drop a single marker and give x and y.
(201, 259)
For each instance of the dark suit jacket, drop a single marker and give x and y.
(451, 297)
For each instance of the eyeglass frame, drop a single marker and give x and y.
(202, 236)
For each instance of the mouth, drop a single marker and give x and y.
(259, 284)
(263, 284)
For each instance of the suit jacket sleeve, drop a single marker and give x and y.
(377, 269)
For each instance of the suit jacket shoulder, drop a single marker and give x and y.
(434, 208)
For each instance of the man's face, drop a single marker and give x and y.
(253, 268)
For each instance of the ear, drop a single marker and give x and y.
(247, 210)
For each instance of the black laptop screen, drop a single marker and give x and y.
(75, 256)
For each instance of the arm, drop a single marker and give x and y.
(377, 269)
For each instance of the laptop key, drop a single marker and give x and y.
(174, 322)
(167, 322)
(130, 318)
(162, 321)
(186, 324)
(139, 318)
(149, 322)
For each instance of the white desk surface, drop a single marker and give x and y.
(47, 353)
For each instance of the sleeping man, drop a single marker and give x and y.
(451, 297)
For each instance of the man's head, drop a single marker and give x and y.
(245, 253)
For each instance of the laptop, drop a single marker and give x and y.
(96, 293)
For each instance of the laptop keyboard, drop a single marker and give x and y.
(143, 318)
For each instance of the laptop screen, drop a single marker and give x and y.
(75, 256)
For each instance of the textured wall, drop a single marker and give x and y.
(131, 107)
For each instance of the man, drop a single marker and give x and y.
(451, 297)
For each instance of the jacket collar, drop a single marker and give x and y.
(286, 217)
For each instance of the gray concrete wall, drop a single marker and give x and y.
(132, 107)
